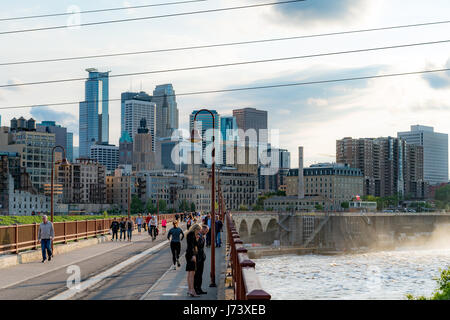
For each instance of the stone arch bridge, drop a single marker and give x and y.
(261, 227)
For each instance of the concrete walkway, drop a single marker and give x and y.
(173, 284)
(13, 275)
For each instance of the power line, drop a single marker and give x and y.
(152, 17)
(249, 88)
(220, 44)
(99, 10)
(230, 64)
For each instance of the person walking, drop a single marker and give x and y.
(208, 236)
(139, 221)
(188, 223)
(219, 225)
(191, 252)
(45, 236)
(130, 226)
(175, 244)
(201, 257)
(153, 226)
(164, 225)
(123, 228)
(114, 228)
(147, 221)
(177, 216)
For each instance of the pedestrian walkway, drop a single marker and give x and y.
(13, 275)
(173, 284)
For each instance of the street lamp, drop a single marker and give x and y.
(136, 184)
(64, 163)
(195, 137)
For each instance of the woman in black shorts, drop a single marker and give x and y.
(191, 251)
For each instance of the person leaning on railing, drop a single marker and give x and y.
(45, 236)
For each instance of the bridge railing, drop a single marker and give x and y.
(15, 238)
(244, 278)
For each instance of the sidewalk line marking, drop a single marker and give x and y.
(69, 264)
(69, 293)
(156, 283)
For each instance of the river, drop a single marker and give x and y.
(375, 275)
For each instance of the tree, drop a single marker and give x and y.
(345, 204)
(184, 206)
(162, 205)
(150, 208)
(443, 194)
(136, 205)
(192, 206)
(243, 207)
(319, 207)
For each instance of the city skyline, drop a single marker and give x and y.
(313, 116)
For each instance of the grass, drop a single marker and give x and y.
(9, 220)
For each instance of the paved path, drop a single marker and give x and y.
(173, 284)
(111, 270)
(38, 280)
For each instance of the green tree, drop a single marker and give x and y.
(345, 204)
(443, 193)
(243, 207)
(192, 206)
(319, 207)
(184, 206)
(443, 290)
(150, 208)
(136, 205)
(162, 205)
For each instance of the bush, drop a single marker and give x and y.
(442, 293)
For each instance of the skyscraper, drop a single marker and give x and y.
(228, 129)
(62, 137)
(135, 107)
(251, 118)
(94, 111)
(166, 110)
(435, 151)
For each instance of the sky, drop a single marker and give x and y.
(313, 116)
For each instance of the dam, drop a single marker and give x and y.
(339, 232)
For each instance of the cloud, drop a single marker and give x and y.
(65, 119)
(439, 80)
(322, 11)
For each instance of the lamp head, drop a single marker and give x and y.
(195, 136)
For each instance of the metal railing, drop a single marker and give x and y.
(244, 278)
(19, 237)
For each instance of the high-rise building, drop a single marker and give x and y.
(143, 152)
(125, 149)
(135, 107)
(94, 111)
(229, 132)
(83, 181)
(435, 152)
(251, 118)
(62, 137)
(386, 164)
(203, 123)
(166, 110)
(105, 154)
(34, 147)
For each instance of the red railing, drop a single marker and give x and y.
(15, 238)
(244, 278)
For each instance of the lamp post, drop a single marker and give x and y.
(64, 163)
(195, 137)
(136, 184)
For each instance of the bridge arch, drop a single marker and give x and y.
(256, 227)
(272, 225)
(243, 229)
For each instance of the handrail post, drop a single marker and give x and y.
(65, 231)
(87, 225)
(17, 238)
(76, 230)
(35, 236)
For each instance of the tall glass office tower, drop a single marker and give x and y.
(204, 122)
(166, 110)
(94, 111)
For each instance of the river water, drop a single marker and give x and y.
(375, 275)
